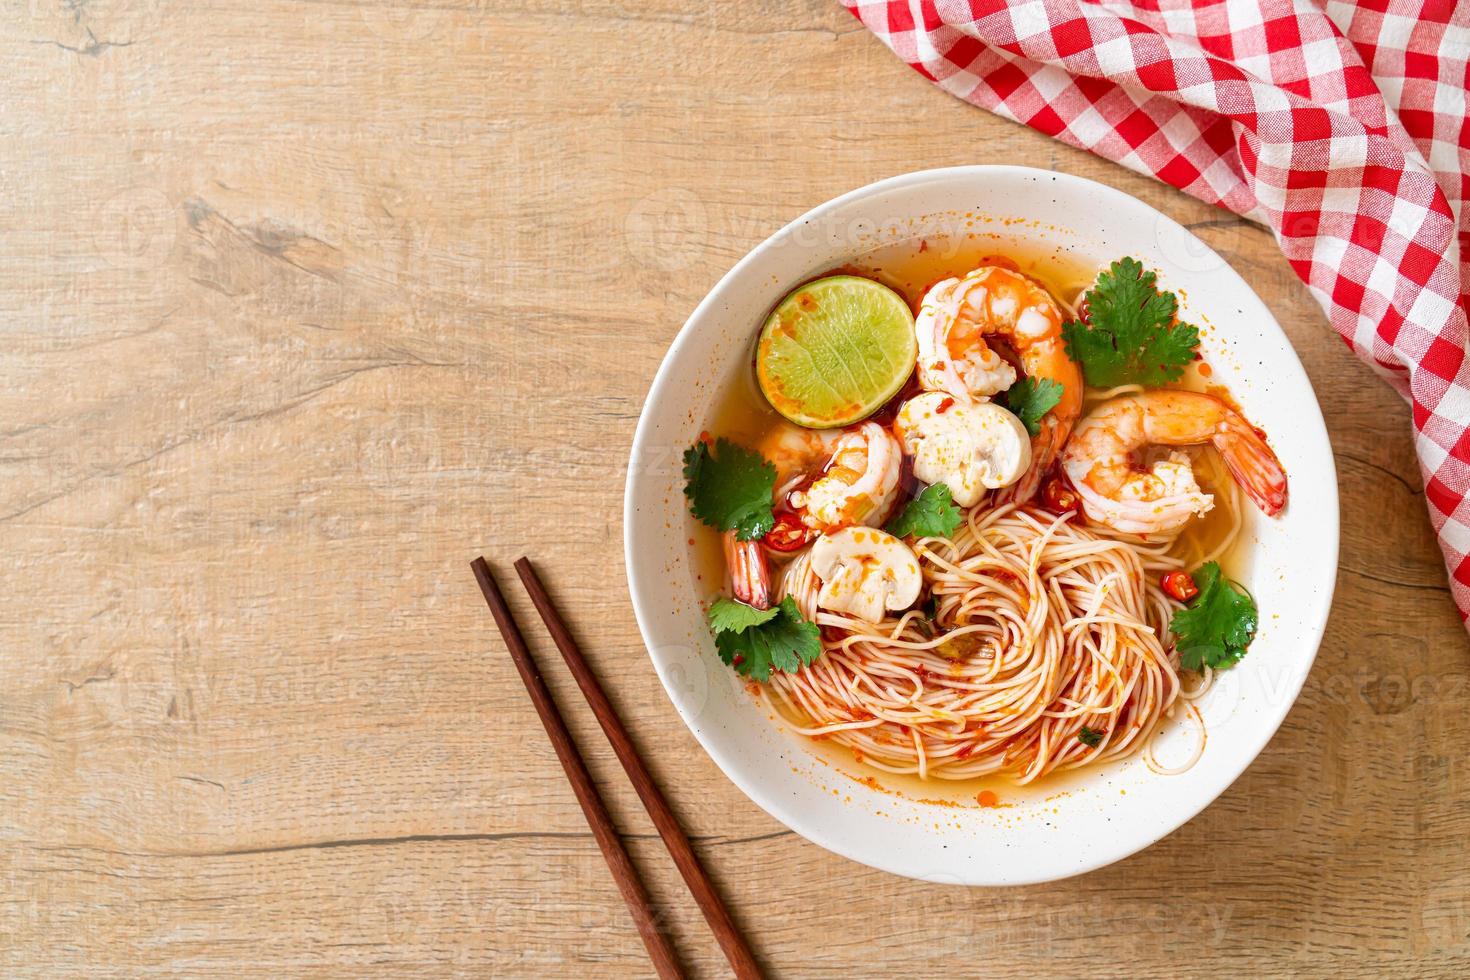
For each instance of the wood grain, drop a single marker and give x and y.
(737, 951)
(661, 954)
(304, 304)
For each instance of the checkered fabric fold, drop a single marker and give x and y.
(1340, 126)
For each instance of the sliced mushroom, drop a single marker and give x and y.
(968, 446)
(865, 572)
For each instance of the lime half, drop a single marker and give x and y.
(835, 350)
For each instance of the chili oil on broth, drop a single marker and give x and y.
(742, 415)
(910, 268)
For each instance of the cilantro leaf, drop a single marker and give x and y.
(931, 514)
(729, 616)
(730, 488)
(1132, 337)
(1217, 625)
(1090, 737)
(784, 641)
(1030, 399)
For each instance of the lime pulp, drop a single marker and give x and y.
(835, 350)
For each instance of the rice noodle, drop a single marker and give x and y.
(1046, 625)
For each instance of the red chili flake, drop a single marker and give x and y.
(738, 659)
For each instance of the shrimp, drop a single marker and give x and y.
(1099, 460)
(795, 452)
(750, 575)
(857, 485)
(954, 320)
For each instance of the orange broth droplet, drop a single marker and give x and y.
(986, 798)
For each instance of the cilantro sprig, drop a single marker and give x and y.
(1131, 336)
(757, 641)
(729, 488)
(931, 514)
(1217, 625)
(1030, 399)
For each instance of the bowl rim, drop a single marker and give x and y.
(638, 587)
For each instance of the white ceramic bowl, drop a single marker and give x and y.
(1093, 818)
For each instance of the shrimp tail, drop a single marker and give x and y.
(1253, 464)
(1045, 446)
(1025, 488)
(750, 576)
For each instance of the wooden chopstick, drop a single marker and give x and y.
(715, 913)
(626, 876)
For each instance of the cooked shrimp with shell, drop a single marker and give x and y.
(935, 559)
(1102, 460)
(958, 323)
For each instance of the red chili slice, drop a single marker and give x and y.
(1179, 585)
(1058, 497)
(789, 534)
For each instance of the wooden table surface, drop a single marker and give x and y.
(305, 304)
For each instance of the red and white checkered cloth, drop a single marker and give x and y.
(1340, 126)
